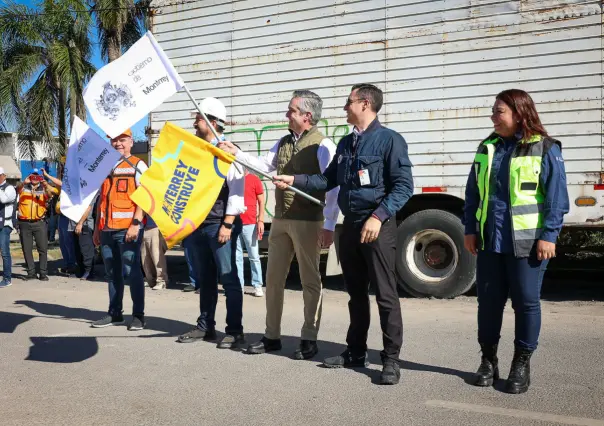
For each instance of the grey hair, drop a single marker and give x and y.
(311, 102)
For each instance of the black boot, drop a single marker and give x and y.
(520, 373)
(488, 371)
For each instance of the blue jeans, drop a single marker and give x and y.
(67, 243)
(214, 263)
(188, 245)
(249, 237)
(123, 263)
(53, 222)
(5, 249)
(499, 275)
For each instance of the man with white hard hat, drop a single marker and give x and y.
(214, 245)
(8, 195)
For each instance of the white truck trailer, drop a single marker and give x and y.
(440, 65)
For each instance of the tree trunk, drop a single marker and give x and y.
(62, 114)
(114, 47)
(73, 106)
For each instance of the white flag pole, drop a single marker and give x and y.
(255, 170)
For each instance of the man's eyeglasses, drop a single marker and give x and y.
(351, 101)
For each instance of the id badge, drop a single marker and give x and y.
(364, 177)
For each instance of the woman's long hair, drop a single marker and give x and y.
(523, 106)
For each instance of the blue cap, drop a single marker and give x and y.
(35, 172)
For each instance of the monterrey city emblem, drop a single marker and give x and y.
(114, 99)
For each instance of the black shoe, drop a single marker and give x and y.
(519, 379)
(231, 342)
(197, 291)
(30, 277)
(43, 277)
(488, 371)
(264, 345)
(107, 321)
(188, 288)
(347, 360)
(307, 349)
(391, 373)
(138, 323)
(197, 334)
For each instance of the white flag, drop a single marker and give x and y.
(125, 90)
(89, 161)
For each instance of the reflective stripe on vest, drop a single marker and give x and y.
(115, 206)
(525, 192)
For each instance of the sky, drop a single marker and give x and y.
(138, 130)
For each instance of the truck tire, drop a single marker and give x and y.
(431, 260)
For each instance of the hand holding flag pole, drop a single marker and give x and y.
(255, 170)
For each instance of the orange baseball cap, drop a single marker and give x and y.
(127, 132)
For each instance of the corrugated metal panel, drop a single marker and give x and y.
(440, 65)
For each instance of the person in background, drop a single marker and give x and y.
(34, 194)
(516, 199)
(77, 238)
(187, 244)
(67, 237)
(8, 196)
(373, 170)
(253, 229)
(119, 232)
(153, 256)
(53, 219)
(84, 244)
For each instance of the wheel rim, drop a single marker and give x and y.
(431, 256)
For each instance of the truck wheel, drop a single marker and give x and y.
(430, 257)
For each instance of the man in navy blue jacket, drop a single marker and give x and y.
(373, 171)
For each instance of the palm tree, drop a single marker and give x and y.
(120, 24)
(45, 54)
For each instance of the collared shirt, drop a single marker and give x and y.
(236, 182)
(325, 153)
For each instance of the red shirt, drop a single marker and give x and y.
(253, 188)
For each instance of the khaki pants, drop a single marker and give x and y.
(286, 238)
(153, 256)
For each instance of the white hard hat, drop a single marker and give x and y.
(215, 108)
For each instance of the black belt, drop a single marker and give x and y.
(30, 220)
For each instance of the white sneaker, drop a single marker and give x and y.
(258, 292)
(159, 286)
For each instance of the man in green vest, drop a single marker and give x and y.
(299, 226)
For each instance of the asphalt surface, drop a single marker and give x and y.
(56, 370)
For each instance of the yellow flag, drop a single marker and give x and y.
(183, 182)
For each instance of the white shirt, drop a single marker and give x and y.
(236, 182)
(325, 153)
(8, 197)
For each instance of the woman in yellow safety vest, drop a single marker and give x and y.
(516, 199)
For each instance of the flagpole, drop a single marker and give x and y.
(255, 170)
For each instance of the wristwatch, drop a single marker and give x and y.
(136, 222)
(227, 225)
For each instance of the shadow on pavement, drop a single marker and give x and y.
(9, 321)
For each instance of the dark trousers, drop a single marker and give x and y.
(30, 231)
(373, 263)
(84, 250)
(216, 263)
(499, 275)
(67, 243)
(123, 263)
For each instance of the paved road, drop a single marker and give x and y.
(54, 369)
